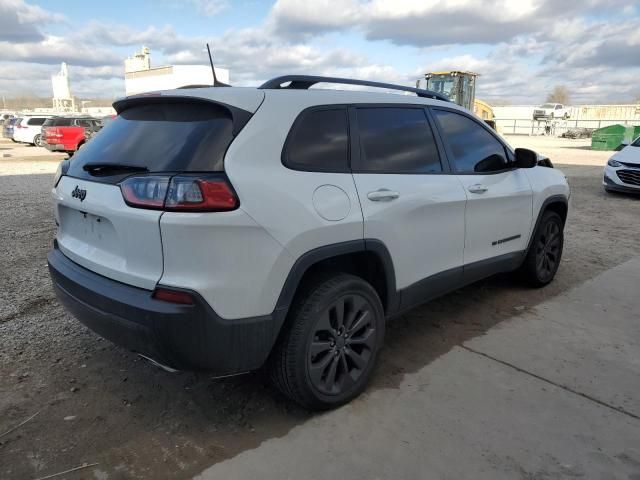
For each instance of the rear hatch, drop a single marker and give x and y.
(153, 137)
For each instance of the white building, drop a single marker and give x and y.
(139, 77)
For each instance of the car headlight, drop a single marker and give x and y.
(614, 163)
(63, 166)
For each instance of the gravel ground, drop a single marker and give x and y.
(96, 403)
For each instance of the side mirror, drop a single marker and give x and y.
(525, 158)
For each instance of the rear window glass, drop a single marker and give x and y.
(62, 122)
(319, 142)
(162, 137)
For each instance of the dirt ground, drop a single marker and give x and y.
(96, 403)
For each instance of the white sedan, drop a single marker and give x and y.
(622, 172)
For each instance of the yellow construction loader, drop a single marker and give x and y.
(460, 87)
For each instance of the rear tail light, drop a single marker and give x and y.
(180, 193)
(63, 167)
(173, 296)
(145, 192)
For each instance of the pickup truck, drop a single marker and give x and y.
(68, 134)
(551, 111)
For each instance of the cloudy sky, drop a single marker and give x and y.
(522, 48)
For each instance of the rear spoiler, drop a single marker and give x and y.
(239, 116)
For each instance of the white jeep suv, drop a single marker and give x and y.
(230, 228)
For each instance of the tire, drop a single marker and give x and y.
(544, 255)
(37, 140)
(552, 116)
(322, 360)
(565, 116)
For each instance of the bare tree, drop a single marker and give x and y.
(560, 94)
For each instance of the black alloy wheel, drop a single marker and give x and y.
(330, 344)
(548, 248)
(543, 257)
(344, 340)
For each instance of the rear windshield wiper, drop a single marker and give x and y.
(97, 168)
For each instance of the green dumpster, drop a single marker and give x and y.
(608, 138)
(631, 134)
(613, 136)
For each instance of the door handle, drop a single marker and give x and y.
(478, 188)
(382, 195)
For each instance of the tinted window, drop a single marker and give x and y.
(63, 122)
(82, 122)
(474, 149)
(36, 121)
(397, 140)
(48, 122)
(162, 137)
(319, 142)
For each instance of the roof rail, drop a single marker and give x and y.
(303, 82)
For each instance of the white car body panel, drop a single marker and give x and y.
(545, 183)
(629, 154)
(248, 99)
(226, 257)
(495, 216)
(103, 234)
(423, 228)
(630, 157)
(26, 133)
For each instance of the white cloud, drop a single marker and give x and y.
(19, 22)
(529, 46)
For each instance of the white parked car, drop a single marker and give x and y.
(622, 172)
(29, 130)
(551, 111)
(231, 228)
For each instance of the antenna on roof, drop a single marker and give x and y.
(216, 83)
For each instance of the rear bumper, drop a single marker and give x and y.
(54, 147)
(184, 337)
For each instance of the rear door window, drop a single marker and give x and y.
(63, 122)
(36, 121)
(161, 137)
(396, 140)
(319, 142)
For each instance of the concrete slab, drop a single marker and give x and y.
(464, 416)
(588, 340)
(469, 416)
